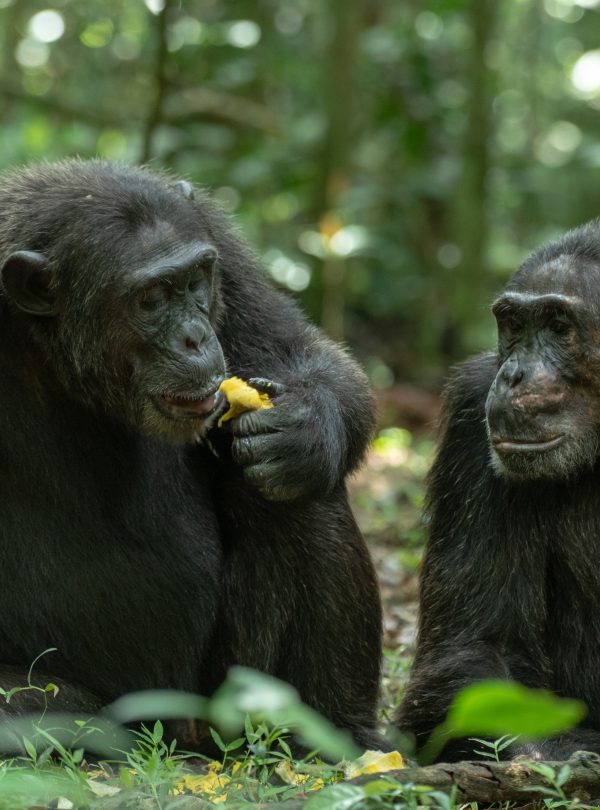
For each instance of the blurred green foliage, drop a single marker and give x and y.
(392, 161)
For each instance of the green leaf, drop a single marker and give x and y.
(248, 727)
(231, 746)
(544, 790)
(442, 800)
(157, 732)
(77, 755)
(505, 741)
(498, 708)
(506, 707)
(165, 703)
(52, 687)
(218, 740)
(268, 699)
(30, 748)
(14, 691)
(563, 775)
(336, 797)
(544, 770)
(378, 787)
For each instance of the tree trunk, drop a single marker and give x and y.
(469, 287)
(339, 73)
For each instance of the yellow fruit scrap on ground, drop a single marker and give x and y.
(374, 762)
(206, 784)
(285, 771)
(241, 398)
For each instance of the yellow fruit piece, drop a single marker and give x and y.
(286, 772)
(241, 398)
(374, 762)
(206, 785)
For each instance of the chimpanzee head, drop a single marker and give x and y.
(112, 274)
(543, 408)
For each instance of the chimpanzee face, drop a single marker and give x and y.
(131, 329)
(542, 413)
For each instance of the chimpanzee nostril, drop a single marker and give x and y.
(193, 336)
(511, 374)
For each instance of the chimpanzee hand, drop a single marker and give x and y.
(293, 449)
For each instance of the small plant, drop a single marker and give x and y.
(395, 669)
(31, 687)
(383, 793)
(494, 747)
(554, 795)
(266, 762)
(152, 766)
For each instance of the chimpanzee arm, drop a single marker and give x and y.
(323, 415)
(482, 581)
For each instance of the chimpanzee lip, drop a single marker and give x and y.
(189, 404)
(514, 445)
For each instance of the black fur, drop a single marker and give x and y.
(124, 542)
(510, 582)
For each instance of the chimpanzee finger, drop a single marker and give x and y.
(252, 423)
(265, 386)
(253, 449)
(271, 420)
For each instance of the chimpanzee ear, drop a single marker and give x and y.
(185, 188)
(26, 278)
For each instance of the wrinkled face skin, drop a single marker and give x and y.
(175, 357)
(132, 336)
(543, 408)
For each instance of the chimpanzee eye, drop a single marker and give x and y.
(200, 275)
(559, 325)
(152, 297)
(509, 324)
(196, 282)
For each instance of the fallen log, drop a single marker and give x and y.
(474, 781)
(488, 781)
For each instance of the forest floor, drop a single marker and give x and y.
(387, 498)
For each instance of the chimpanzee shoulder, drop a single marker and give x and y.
(462, 451)
(467, 388)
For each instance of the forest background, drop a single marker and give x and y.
(393, 162)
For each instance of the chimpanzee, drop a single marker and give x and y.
(510, 585)
(124, 543)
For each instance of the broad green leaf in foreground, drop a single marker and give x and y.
(261, 696)
(505, 707)
(495, 708)
(244, 692)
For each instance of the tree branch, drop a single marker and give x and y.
(204, 103)
(197, 104)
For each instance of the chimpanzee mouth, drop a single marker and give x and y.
(189, 405)
(511, 445)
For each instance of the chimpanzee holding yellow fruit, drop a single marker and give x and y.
(126, 543)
